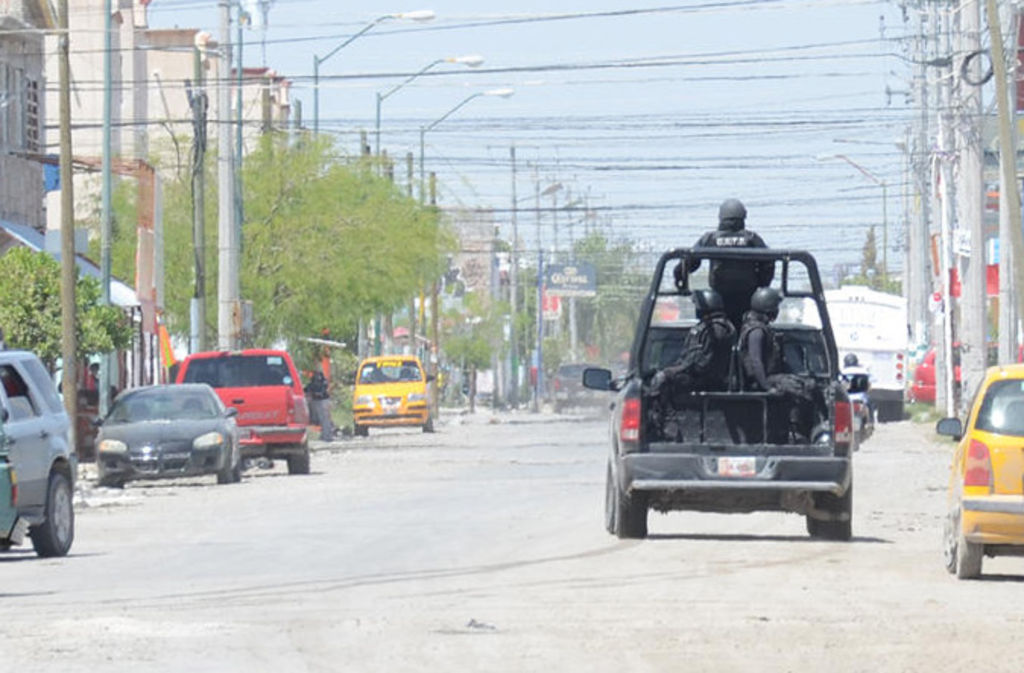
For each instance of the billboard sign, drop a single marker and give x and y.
(572, 280)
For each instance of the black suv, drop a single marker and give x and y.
(723, 452)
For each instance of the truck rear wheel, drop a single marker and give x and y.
(299, 464)
(838, 506)
(625, 516)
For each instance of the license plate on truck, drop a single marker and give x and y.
(744, 466)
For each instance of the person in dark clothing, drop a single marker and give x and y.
(703, 362)
(702, 365)
(761, 358)
(320, 403)
(734, 280)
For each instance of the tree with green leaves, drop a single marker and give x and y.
(325, 242)
(30, 309)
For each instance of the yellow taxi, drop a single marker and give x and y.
(391, 390)
(986, 486)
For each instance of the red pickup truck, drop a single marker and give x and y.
(264, 386)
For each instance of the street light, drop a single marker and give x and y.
(538, 384)
(502, 93)
(885, 199)
(471, 60)
(418, 15)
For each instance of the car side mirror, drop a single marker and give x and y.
(431, 377)
(230, 412)
(5, 415)
(97, 421)
(596, 378)
(950, 427)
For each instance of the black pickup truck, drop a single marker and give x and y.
(723, 451)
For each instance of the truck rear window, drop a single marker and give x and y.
(239, 371)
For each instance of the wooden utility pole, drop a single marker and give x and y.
(1007, 152)
(68, 341)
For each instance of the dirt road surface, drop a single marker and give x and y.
(482, 548)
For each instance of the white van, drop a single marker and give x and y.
(873, 326)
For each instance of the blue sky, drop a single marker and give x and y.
(657, 115)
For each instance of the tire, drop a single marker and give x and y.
(232, 472)
(54, 536)
(362, 431)
(625, 516)
(429, 425)
(299, 464)
(840, 531)
(968, 558)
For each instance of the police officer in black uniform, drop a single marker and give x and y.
(703, 363)
(761, 357)
(734, 280)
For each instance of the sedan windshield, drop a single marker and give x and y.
(164, 405)
(390, 371)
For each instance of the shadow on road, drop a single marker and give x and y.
(1017, 579)
(746, 537)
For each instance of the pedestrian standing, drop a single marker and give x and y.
(320, 401)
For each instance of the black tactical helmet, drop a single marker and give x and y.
(851, 360)
(766, 300)
(707, 301)
(732, 209)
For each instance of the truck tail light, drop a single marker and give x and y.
(629, 426)
(14, 488)
(842, 428)
(978, 468)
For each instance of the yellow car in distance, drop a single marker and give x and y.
(986, 486)
(391, 390)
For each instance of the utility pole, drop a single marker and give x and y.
(945, 396)
(919, 269)
(538, 385)
(68, 272)
(435, 322)
(513, 283)
(198, 102)
(107, 214)
(1007, 310)
(227, 271)
(1007, 155)
(970, 192)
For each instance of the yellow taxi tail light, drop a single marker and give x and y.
(978, 470)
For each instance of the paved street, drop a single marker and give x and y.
(481, 547)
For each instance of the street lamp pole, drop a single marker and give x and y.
(435, 299)
(418, 15)
(472, 61)
(503, 93)
(885, 221)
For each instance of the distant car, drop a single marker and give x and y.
(39, 448)
(391, 390)
(168, 431)
(985, 515)
(264, 386)
(922, 387)
(568, 390)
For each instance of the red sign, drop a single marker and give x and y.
(551, 306)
